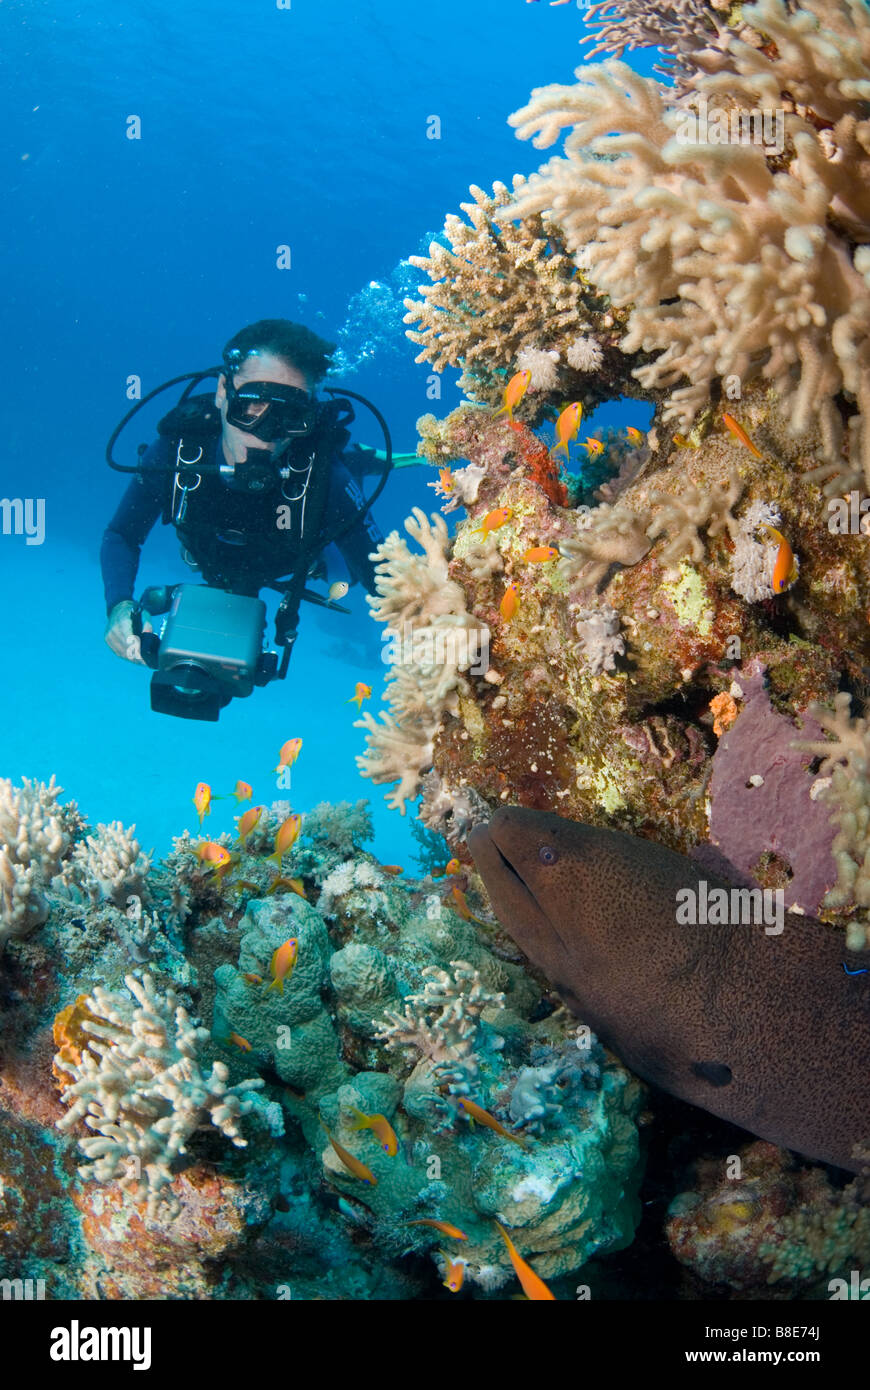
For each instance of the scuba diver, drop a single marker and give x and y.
(257, 484)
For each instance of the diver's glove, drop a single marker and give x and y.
(119, 631)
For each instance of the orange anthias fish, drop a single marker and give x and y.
(493, 521)
(533, 1285)
(380, 1128)
(453, 866)
(634, 435)
(454, 1275)
(567, 426)
(443, 1226)
(286, 885)
(785, 567)
(593, 447)
(540, 554)
(202, 800)
(483, 1117)
(289, 753)
(243, 791)
(393, 869)
(514, 392)
(288, 834)
(446, 479)
(252, 979)
(510, 602)
(282, 963)
(360, 692)
(211, 853)
(353, 1165)
(239, 1041)
(249, 821)
(739, 433)
(460, 906)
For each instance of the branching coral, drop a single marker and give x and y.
(435, 639)
(737, 259)
(499, 294)
(107, 866)
(443, 1023)
(138, 1082)
(691, 31)
(33, 841)
(606, 536)
(682, 518)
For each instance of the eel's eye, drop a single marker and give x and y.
(547, 854)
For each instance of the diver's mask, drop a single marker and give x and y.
(268, 409)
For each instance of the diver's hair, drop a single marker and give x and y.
(293, 342)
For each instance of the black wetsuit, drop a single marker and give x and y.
(233, 537)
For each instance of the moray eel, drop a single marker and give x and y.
(767, 1031)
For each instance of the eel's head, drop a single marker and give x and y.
(529, 862)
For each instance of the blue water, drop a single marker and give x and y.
(261, 126)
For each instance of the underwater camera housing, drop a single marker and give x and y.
(210, 650)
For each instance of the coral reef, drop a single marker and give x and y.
(606, 536)
(398, 1007)
(611, 640)
(506, 297)
(33, 842)
(137, 1081)
(436, 640)
(194, 1161)
(736, 257)
(597, 698)
(107, 867)
(762, 1225)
